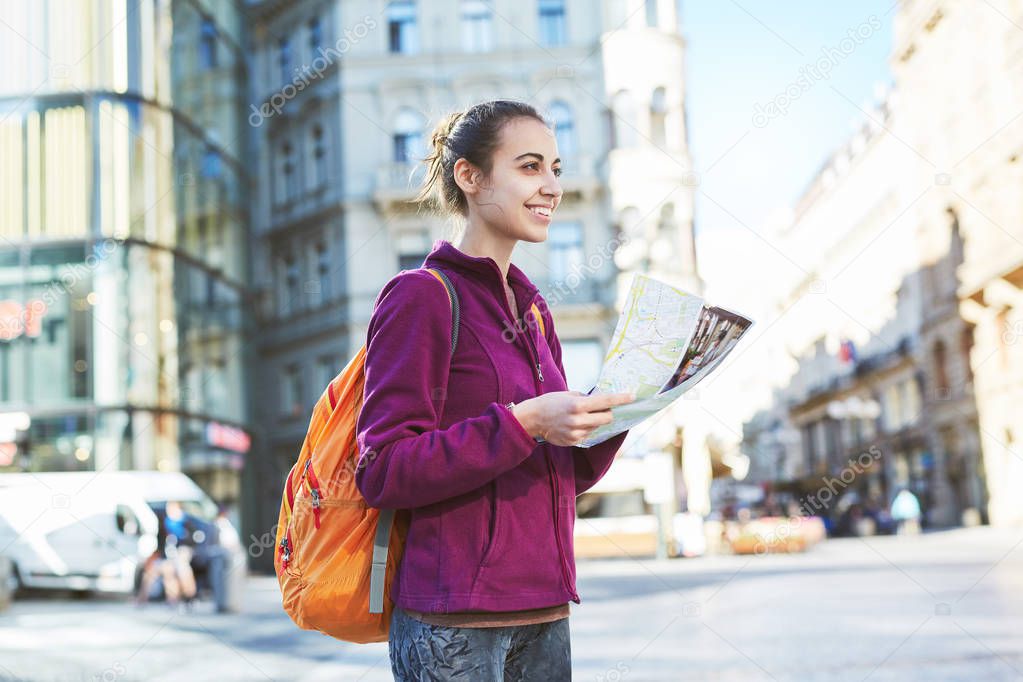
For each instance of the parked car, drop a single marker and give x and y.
(88, 531)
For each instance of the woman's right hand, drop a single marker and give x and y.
(567, 417)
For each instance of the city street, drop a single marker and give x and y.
(266, 265)
(941, 606)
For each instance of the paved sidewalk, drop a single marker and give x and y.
(941, 606)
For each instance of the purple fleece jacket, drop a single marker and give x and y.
(491, 510)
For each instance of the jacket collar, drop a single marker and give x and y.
(485, 269)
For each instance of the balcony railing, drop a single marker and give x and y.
(397, 183)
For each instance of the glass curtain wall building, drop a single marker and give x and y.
(122, 238)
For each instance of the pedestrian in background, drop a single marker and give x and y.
(178, 549)
(906, 512)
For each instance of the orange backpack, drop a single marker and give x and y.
(337, 555)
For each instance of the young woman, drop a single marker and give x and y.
(478, 445)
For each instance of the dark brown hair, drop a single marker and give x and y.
(473, 134)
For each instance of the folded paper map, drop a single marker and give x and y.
(666, 341)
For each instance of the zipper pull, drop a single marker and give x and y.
(316, 506)
(539, 372)
(285, 552)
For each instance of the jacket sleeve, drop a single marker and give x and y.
(590, 463)
(405, 460)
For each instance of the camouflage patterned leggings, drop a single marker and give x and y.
(422, 652)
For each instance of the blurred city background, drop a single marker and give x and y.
(201, 199)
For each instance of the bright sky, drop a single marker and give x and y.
(745, 54)
(742, 55)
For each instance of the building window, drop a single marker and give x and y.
(564, 129)
(868, 429)
(940, 370)
(293, 273)
(911, 401)
(892, 408)
(651, 13)
(289, 287)
(322, 265)
(623, 121)
(658, 114)
(288, 188)
(552, 23)
(850, 432)
(966, 344)
(408, 137)
(207, 45)
(809, 454)
(284, 59)
(820, 435)
(291, 391)
(313, 287)
(833, 437)
(477, 26)
(565, 249)
(315, 36)
(401, 26)
(319, 156)
(901, 405)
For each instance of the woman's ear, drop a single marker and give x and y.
(467, 177)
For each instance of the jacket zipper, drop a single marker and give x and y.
(557, 523)
(535, 356)
(556, 490)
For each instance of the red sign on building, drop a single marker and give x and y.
(21, 320)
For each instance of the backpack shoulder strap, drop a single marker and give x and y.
(378, 569)
(539, 319)
(382, 535)
(453, 299)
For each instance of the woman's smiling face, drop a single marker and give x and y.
(520, 197)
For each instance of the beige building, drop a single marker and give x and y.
(345, 95)
(960, 72)
(935, 221)
(620, 128)
(854, 317)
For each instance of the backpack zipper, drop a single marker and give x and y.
(286, 549)
(285, 545)
(314, 490)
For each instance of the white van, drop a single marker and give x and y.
(90, 531)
